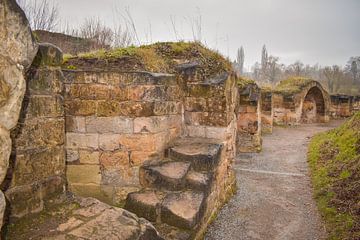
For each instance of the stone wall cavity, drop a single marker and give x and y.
(17, 48)
(37, 164)
(114, 122)
(248, 111)
(341, 106)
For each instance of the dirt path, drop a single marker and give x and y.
(274, 197)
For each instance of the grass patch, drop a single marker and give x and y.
(292, 85)
(244, 81)
(334, 159)
(157, 57)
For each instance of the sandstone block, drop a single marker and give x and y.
(109, 109)
(46, 106)
(114, 160)
(84, 174)
(45, 81)
(182, 209)
(75, 124)
(89, 157)
(144, 204)
(80, 107)
(144, 142)
(109, 125)
(167, 108)
(82, 141)
(152, 124)
(109, 142)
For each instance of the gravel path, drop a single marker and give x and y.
(274, 197)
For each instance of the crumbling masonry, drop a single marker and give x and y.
(160, 145)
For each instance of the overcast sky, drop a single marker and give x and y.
(313, 31)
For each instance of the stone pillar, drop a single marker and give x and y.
(17, 50)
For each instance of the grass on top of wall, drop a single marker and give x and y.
(334, 159)
(292, 85)
(157, 57)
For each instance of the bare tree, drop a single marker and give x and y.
(240, 58)
(93, 28)
(42, 15)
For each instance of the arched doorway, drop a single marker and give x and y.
(313, 109)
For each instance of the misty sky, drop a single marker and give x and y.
(313, 31)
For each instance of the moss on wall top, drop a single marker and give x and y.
(158, 57)
(334, 159)
(244, 81)
(292, 85)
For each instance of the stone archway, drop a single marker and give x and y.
(313, 109)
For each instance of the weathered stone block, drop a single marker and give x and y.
(109, 109)
(36, 166)
(109, 142)
(152, 124)
(80, 107)
(84, 174)
(114, 160)
(144, 142)
(167, 108)
(137, 109)
(41, 133)
(137, 158)
(75, 124)
(45, 81)
(89, 157)
(72, 156)
(46, 106)
(109, 125)
(83, 141)
(48, 55)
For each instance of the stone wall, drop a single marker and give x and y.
(17, 51)
(294, 108)
(341, 106)
(114, 122)
(248, 113)
(267, 113)
(37, 163)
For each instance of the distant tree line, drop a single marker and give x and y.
(337, 79)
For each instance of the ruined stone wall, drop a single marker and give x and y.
(356, 104)
(114, 122)
(341, 106)
(37, 163)
(248, 114)
(267, 113)
(17, 49)
(289, 108)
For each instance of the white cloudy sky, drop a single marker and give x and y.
(313, 31)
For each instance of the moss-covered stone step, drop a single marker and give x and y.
(167, 175)
(182, 209)
(203, 154)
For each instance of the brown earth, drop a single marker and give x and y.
(274, 198)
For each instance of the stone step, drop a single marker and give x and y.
(144, 204)
(203, 154)
(182, 209)
(165, 175)
(198, 181)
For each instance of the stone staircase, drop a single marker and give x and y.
(175, 189)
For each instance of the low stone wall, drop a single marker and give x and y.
(294, 108)
(267, 113)
(341, 106)
(114, 122)
(37, 163)
(248, 113)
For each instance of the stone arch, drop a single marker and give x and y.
(313, 107)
